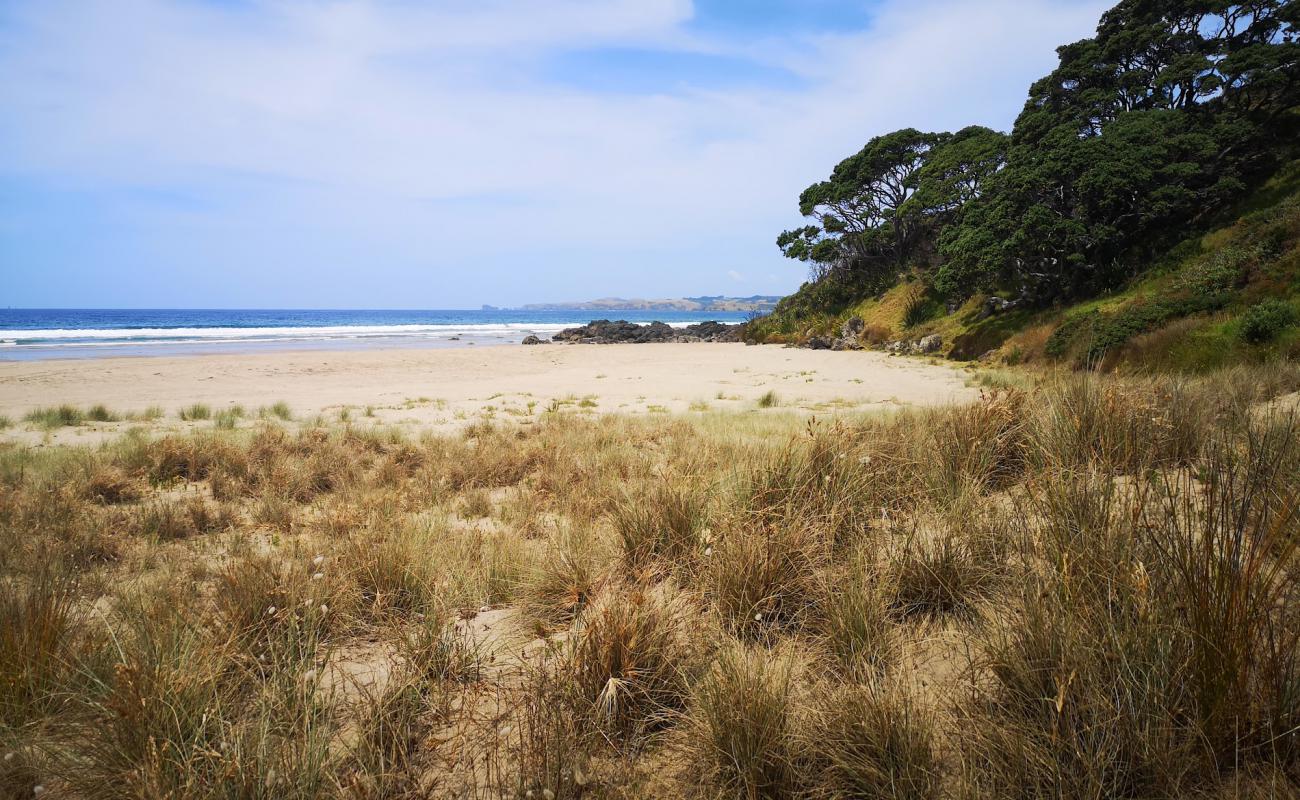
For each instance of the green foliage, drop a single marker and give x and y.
(1207, 285)
(920, 307)
(56, 416)
(1265, 320)
(197, 411)
(1164, 119)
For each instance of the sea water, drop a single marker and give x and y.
(88, 333)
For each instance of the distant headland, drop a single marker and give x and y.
(759, 303)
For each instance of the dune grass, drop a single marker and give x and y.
(1078, 586)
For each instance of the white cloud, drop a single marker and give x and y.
(424, 133)
(735, 276)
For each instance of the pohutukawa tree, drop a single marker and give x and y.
(1142, 133)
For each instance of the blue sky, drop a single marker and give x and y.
(408, 154)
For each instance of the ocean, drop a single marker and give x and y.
(29, 334)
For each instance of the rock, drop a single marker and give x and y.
(929, 344)
(996, 305)
(603, 331)
(819, 343)
(530, 339)
(850, 337)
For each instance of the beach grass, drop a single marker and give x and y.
(279, 410)
(195, 412)
(1074, 586)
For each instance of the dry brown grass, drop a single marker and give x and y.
(1102, 571)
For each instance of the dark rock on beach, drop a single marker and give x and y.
(530, 339)
(603, 331)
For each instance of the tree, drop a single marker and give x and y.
(1142, 132)
(1164, 117)
(864, 225)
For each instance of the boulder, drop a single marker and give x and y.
(850, 337)
(929, 344)
(820, 343)
(530, 339)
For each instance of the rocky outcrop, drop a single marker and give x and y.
(926, 344)
(996, 305)
(530, 339)
(850, 337)
(603, 331)
(929, 344)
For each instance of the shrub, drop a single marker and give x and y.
(769, 399)
(1264, 321)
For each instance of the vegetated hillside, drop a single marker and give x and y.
(1227, 296)
(1176, 119)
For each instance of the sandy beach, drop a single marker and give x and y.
(442, 387)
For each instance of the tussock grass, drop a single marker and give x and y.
(198, 411)
(1077, 586)
(631, 661)
(56, 417)
(663, 527)
(855, 622)
(563, 581)
(875, 743)
(744, 726)
(279, 410)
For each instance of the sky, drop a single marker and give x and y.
(452, 153)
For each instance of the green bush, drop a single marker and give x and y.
(1263, 321)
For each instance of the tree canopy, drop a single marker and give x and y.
(1165, 117)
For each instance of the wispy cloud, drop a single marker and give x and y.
(454, 153)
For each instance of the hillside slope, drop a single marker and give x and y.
(1231, 295)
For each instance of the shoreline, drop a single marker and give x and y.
(448, 387)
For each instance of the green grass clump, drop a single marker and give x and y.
(228, 418)
(198, 411)
(99, 413)
(278, 410)
(56, 416)
(769, 399)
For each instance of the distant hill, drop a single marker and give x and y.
(759, 303)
